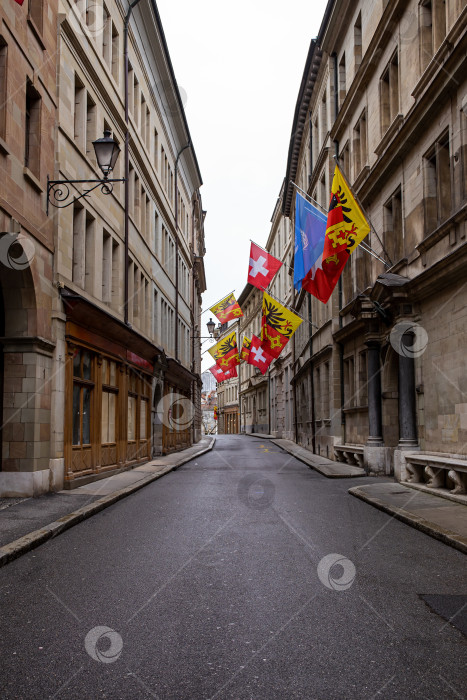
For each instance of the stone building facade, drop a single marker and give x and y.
(116, 329)
(28, 103)
(228, 407)
(384, 89)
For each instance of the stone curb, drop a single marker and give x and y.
(425, 526)
(318, 468)
(17, 548)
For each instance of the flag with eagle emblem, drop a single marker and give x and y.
(346, 227)
(225, 352)
(227, 309)
(245, 351)
(278, 325)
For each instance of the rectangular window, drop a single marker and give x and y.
(389, 94)
(358, 42)
(79, 117)
(106, 36)
(89, 254)
(82, 394)
(91, 126)
(131, 94)
(363, 379)
(106, 267)
(437, 172)
(342, 80)
(349, 383)
(32, 145)
(393, 231)
(360, 145)
(115, 54)
(78, 245)
(116, 286)
(36, 13)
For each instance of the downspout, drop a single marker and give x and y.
(341, 347)
(187, 145)
(127, 160)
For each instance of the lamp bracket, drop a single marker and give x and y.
(58, 191)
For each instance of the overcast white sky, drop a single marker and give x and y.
(240, 65)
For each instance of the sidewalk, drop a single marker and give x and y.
(434, 515)
(30, 522)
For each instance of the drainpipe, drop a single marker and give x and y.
(176, 244)
(127, 158)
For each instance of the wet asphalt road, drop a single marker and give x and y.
(216, 581)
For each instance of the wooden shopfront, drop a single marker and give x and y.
(107, 402)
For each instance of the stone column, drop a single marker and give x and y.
(407, 414)
(375, 422)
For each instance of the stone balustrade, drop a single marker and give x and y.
(437, 471)
(350, 454)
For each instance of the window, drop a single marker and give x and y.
(389, 94)
(115, 54)
(326, 390)
(131, 94)
(32, 143)
(3, 86)
(91, 117)
(349, 383)
(358, 42)
(432, 22)
(156, 150)
(317, 388)
(106, 267)
(437, 173)
(136, 104)
(362, 269)
(109, 401)
(360, 145)
(89, 254)
(362, 379)
(36, 13)
(83, 386)
(78, 245)
(80, 113)
(116, 286)
(345, 159)
(342, 81)
(324, 119)
(393, 231)
(106, 36)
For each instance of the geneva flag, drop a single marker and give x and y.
(346, 227)
(278, 325)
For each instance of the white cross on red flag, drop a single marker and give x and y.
(258, 355)
(263, 267)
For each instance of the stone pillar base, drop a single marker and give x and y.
(24, 484)
(400, 469)
(375, 442)
(57, 474)
(378, 459)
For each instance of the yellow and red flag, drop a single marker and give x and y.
(245, 352)
(227, 309)
(225, 352)
(278, 325)
(346, 227)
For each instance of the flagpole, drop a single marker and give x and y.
(210, 307)
(273, 256)
(365, 246)
(336, 158)
(310, 198)
(290, 309)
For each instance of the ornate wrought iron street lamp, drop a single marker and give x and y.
(107, 151)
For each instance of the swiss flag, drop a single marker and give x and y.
(258, 355)
(217, 372)
(263, 267)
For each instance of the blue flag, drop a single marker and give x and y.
(310, 231)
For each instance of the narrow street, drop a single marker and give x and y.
(216, 582)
